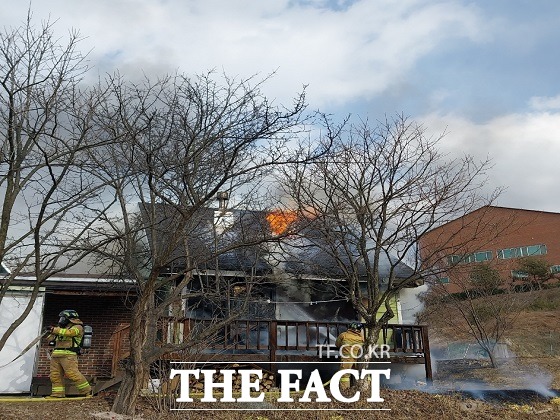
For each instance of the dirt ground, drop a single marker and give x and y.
(533, 341)
(520, 388)
(402, 405)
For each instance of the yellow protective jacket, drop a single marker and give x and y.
(67, 340)
(346, 342)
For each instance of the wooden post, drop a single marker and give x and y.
(272, 345)
(427, 357)
(116, 353)
(307, 336)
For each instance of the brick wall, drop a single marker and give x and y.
(492, 229)
(103, 313)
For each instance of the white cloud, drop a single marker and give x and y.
(354, 52)
(524, 149)
(347, 53)
(544, 103)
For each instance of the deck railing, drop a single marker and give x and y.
(276, 337)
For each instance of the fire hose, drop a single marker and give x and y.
(29, 346)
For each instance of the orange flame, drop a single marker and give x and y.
(280, 220)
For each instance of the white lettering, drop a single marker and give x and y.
(250, 384)
(286, 385)
(184, 397)
(328, 350)
(375, 375)
(360, 351)
(246, 386)
(385, 350)
(209, 385)
(335, 386)
(315, 384)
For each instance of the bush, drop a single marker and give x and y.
(544, 304)
(485, 279)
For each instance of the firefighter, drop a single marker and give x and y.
(350, 343)
(67, 338)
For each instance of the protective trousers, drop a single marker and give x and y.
(346, 363)
(67, 365)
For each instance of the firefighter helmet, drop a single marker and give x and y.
(69, 313)
(66, 316)
(357, 326)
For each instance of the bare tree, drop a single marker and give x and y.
(485, 307)
(371, 201)
(47, 122)
(186, 140)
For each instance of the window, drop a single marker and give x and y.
(522, 251)
(479, 256)
(504, 254)
(482, 256)
(444, 280)
(453, 259)
(535, 250)
(516, 274)
(555, 269)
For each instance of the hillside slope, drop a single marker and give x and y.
(532, 342)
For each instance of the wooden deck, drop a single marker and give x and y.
(275, 341)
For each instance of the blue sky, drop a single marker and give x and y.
(485, 71)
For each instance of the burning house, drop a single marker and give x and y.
(292, 274)
(286, 291)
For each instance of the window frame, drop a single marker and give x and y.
(521, 251)
(470, 258)
(519, 274)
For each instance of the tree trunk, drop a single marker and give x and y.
(132, 383)
(492, 358)
(364, 386)
(371, 339)
(137, 371)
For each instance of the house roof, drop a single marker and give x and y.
(3, 269)
(322, 264)
(78, 282)
(302, 256)
(206, 240)
(314, 259)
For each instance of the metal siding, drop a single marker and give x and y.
(16, 377)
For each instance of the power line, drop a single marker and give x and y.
(310, 302)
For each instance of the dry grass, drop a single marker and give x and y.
(534, 339)
(402, 405)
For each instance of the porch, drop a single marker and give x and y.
(272, 342)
